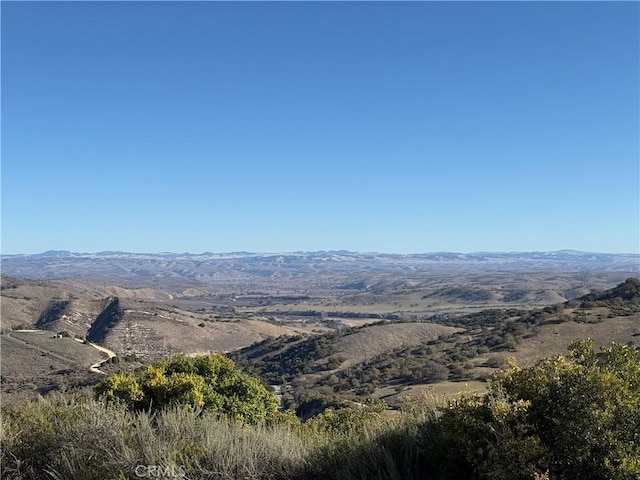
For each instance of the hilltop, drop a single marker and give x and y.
(625, 293)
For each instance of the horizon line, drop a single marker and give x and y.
(246, 252)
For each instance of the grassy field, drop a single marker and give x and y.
(65, 347)
(33, 362)
(438, 392)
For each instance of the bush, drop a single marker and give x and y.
(575, 417)
(566, 418)
(585, 409)
(65, 438)
(363, 444)
(60, 438)
(209, 382)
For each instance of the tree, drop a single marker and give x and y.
(585, 409)
(577, 417)
(210, 382)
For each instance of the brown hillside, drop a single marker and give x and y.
(374, 340)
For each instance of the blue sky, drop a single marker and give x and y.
(367, 126)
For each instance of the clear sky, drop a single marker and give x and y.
(366, 126)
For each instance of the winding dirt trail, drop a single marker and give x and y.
(96, 366)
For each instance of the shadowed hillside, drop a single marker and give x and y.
(627, 292)
(110, 316)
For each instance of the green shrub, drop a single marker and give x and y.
(566, 418)
(209, 382)
(575, 417)
(63, 438)
(585, 409)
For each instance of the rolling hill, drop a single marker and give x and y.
(310, 314)
(366, 361)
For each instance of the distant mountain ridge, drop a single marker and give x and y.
(119, 253)
(335, 254)
(213, 268)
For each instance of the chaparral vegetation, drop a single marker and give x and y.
(568, 417)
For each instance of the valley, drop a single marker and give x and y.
(329, 327)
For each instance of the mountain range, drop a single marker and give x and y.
(145, 269)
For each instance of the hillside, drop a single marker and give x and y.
(627, 293)
(129, 322)
(368, 338)
(361, 362)
(286, 358)
(35, 363)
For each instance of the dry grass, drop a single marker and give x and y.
(374, 340)
(34, 363)
(553, 338)
(448, 389)
(433, 393)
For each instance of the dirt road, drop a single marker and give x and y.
(96, 366)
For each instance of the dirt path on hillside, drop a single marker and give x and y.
(96, 366)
